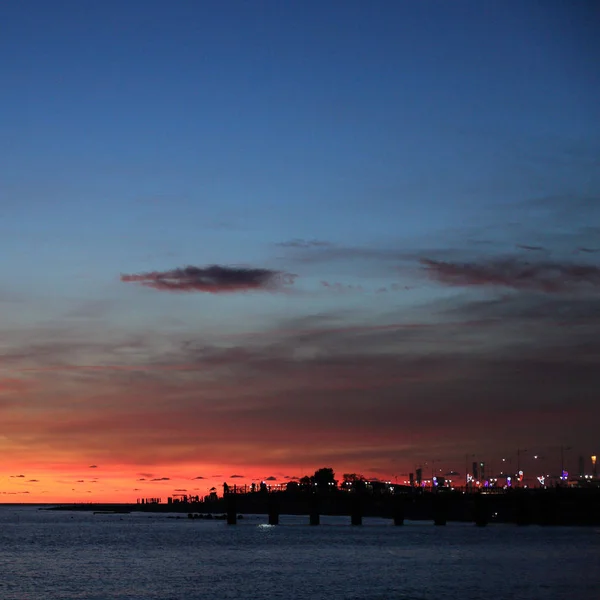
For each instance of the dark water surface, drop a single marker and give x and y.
(77, 555)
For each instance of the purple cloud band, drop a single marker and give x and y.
(544, 276)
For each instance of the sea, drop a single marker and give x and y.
(56, 555)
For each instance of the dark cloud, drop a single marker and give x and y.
(213, 279)
(93, 466)
(180, 490)
(141, 479)
(146, 475)
(33, 481)
(546, 276)
(80, 481)
(531, 248)
(588, 250)
(18, 476)
(271, 478)
(199, 477)
(161, 479)
(236, 476)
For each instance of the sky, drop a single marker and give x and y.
(249, 239)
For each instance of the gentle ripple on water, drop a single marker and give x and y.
(72, 555)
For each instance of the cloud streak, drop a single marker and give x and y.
(543, 276)
(531, 248)
(214, 279)
(342, 287)
(302, 243)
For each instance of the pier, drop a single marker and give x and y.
(521, 507)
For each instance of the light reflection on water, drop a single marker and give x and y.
(66, 556)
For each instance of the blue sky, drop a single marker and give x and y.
(342, 142)
(211, 131)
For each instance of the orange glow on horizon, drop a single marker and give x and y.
(67, 484)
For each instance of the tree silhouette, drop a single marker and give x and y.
(354, 481)
(325, 479)
(292, 486)
(306, 483)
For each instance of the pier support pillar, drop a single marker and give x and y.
(523, 507)
(398, 510)
(314, 516)
(547, 509)
(480, 511)
(440, 509)
(231, 504)
(273, 510)
(356, 508)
